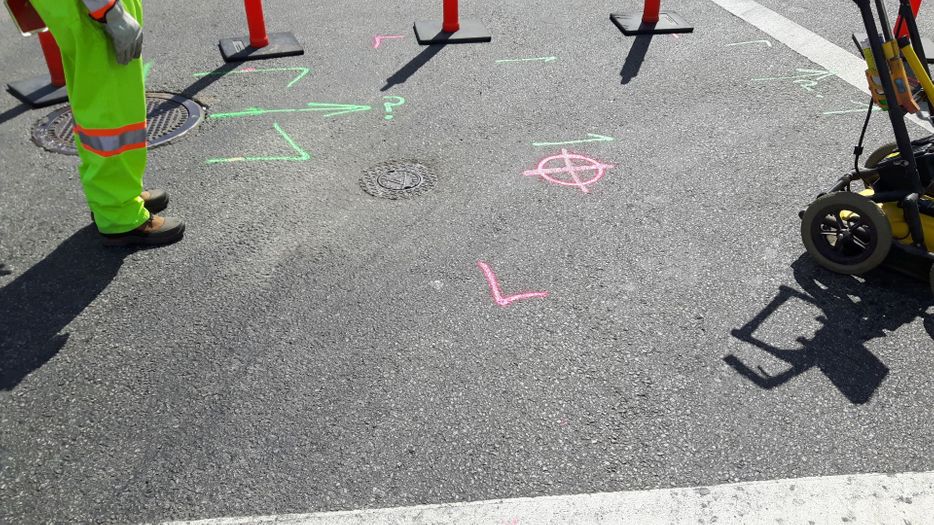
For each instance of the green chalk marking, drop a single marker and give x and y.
(862, 109)
(301, 157)
(330, 110)
(814, 74)
(302, 73)
(539, 59)
(147, 67)
(595, 138)
(389, 105)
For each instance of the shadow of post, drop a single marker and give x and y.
(838, 348)
(205, 81)
(38, 304)
(406, 71)
(13, 112)
(635, 58)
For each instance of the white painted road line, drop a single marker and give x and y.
(812, 46)
(864, 498)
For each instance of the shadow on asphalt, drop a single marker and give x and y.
(203, 82)
(634, 59)
(406, 71)
(13, 112)
(853, 313)
(38, 304)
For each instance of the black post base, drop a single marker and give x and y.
(471, 32)
(38, 91)
(280, 45)
(668, 22)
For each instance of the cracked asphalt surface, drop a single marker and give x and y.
(309, 347)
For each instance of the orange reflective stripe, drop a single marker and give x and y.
(113, 141)
(111, 153)
(99, 8)
(110, 132)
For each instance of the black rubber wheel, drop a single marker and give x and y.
(880, 153)
(868, 174)
(932, 278)
(846, 233)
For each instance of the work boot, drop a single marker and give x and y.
(153, 200)
(155, 231)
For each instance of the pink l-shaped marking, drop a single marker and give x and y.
(497, 291)
(378, 39)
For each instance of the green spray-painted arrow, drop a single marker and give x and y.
(596, 138)
(302, 154)
(330, 110)
(814, 74)
(302, 72)
(539, 59)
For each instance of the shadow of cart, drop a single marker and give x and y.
(852, 313)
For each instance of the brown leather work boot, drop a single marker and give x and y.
(155, 231)
(155, 200)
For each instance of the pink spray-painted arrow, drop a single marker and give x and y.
(497, 292)
(378, 39)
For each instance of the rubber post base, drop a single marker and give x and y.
(280, 45)
(470, 32)
(38, 91)
(668, 22)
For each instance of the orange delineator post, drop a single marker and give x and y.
(43, 90)
(53, 58)
(651, 11)
(451, 21)
(451, 29)
(256, 22)
(258, 44)
(652, 21)
(901, 29)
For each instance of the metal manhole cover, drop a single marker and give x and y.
(397, 179)
(167, 118)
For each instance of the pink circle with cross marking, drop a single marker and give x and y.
(585, 164)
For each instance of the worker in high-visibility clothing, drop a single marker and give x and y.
(101, 42)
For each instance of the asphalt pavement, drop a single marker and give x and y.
(309, 347)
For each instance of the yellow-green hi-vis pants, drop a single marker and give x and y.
(109, 104)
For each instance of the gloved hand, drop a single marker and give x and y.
(124, 32)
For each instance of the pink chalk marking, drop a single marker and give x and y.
(571, 169)
(378, 39)
(248, 70)
(498, 292)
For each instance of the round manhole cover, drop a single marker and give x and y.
(397, 179)
(167, 118)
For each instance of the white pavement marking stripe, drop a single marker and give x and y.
(863, 498)
(812, 46)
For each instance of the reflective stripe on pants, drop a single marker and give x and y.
(109, 142)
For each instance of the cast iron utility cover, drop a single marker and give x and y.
(168, 117)
(397, 179)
